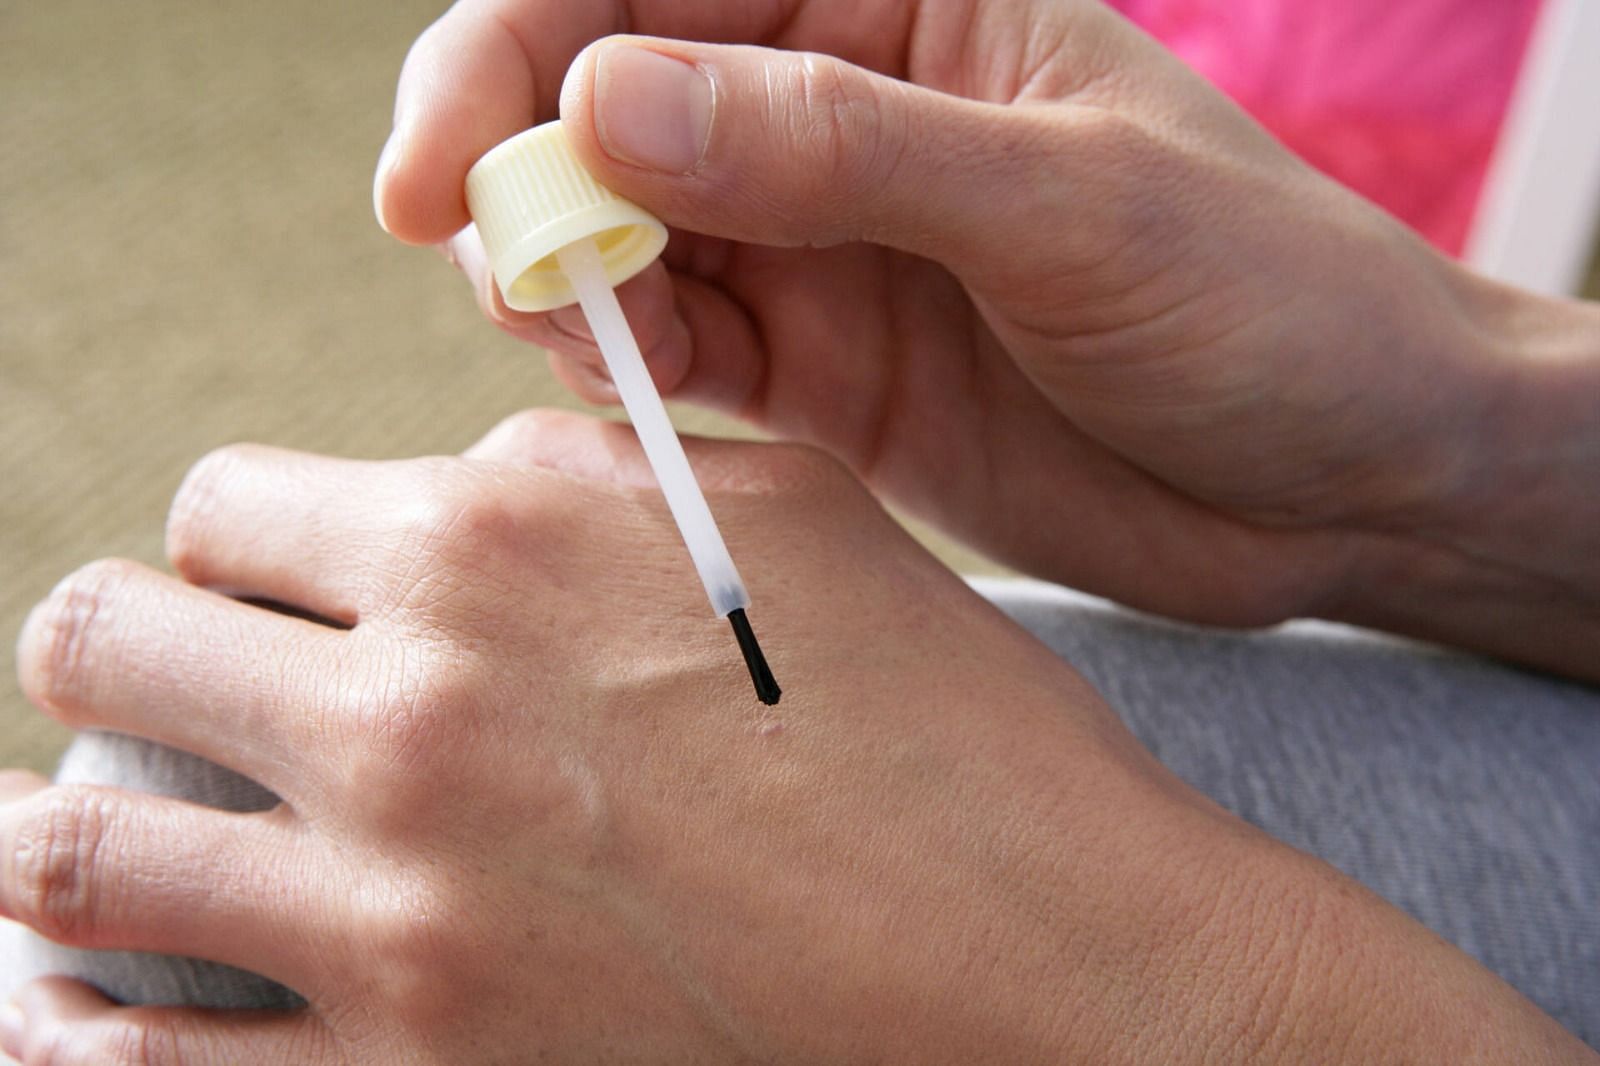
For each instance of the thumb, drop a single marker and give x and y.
(789, 148)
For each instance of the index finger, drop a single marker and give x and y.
(488, 69)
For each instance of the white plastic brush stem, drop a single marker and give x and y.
(581, 263)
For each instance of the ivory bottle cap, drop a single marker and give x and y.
(529, 196)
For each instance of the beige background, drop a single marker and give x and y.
(188, 257)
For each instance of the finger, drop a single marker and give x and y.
(15, 784)
(491, 68)
(647, 302)
(465, 252)
(67, 1023)
(469, 82)
(103, 868)
(588, 382)
(729, 365)
(697, 342)
(710, 353)
(713, 355)
(784, 148)
(120, 646)
(273, 524)
(649, 305)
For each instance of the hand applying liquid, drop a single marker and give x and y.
(1025, 273)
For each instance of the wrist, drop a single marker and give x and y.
(1500, 558)
(1542, 449)
(1323, 970)
(1224, 945)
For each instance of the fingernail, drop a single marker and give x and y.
(466, 254)
(651, 110)
(571, 321)
(386, 162)
(11, 1026)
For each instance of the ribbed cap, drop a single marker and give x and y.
(529, 196)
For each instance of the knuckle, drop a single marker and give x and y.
(53, 655)
(1109, 139)
(426, 50)
(844, 145)
(455, 518)
(194, 505)
(403, 737)
(522, 433)
(538, 437)
(808, 467)
(149, 1040)
(410, 939)
(800, 470)
(460, 536)
(53, 863)
(1131, 173)
(51, 1048)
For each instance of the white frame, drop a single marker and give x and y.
(1536, 219)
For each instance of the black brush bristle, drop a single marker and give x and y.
(767, 690)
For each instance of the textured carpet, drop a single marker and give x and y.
(188, 258)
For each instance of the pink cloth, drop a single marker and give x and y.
(1400, 100)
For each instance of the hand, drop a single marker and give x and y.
(1050, 330)
(532, 811)
(1039, 284)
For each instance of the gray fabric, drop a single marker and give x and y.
(1465, 792)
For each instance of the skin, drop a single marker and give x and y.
(525, 820)
(1020, 272)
